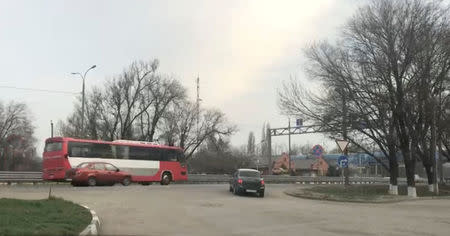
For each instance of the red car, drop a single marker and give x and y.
(97, 173)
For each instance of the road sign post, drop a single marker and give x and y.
(343, 163)
(342, 144)
(317, 151)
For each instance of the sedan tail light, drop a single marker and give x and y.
(240, 181)
(262, 182)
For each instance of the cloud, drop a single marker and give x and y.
(261, 34)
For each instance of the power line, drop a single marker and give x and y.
(38, 90)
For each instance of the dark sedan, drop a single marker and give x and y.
(247, 181)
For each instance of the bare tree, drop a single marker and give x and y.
(162, 94)
(251, 144)
(216, 156)
(17, 148)
(182, 128)
(179, 124)
(127, 95)
(212, 124)
(264, 147)
(379, 79)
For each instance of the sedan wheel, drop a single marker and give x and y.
(126, 181)
(92, 181)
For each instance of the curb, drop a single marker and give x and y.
(293, 193)
(94, 227)
(297, 195)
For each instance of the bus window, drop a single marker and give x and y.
(144, 153)
(139, 153)
(121, 152)
(80, 149)
(155, 154)
(101, 150)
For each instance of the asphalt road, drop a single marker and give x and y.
(212, 210)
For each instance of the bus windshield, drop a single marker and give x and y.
(51, 147)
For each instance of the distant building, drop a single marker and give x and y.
(300, 166)
(360, 164)
(281, 165)
(310, 167)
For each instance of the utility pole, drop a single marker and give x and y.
(51, 128)
(289, 145)
(197, 108)
(433, 153)
(269, 149)
(344, 134)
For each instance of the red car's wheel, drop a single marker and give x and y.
(126, 181)
(92, 181)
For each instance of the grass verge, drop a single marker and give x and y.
(363, 193)
(53, 216)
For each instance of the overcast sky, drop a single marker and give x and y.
(242, 51)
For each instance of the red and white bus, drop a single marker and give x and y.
(147, 162)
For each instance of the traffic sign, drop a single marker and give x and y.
(343, 161)
(317, 150)
(342, 144)
(299, 122)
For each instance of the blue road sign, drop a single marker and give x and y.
(299, 122)
(317, 150)
(343, 161)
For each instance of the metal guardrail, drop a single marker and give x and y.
(35, 177)
(197, 178)
(20, 177)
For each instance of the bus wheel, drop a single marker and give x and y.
(92, 181)
(126, 181)
(165, 180)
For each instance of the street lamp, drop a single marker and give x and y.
(83, 76)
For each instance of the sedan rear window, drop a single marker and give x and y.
(249, 174)
(83, 165)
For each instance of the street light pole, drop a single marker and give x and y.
(83, 76)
